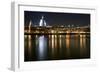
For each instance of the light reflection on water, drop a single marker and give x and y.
(56, 47)
(42, 47)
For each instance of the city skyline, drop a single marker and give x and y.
(54, 18)
(46, 39)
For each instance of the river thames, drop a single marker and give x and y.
(56, 47)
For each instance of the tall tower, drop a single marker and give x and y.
(42, 22)
(30, 24)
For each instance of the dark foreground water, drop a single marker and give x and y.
(56, 47)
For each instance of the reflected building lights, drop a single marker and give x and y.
(49, 41)
(60, 41)
(52, 44)
(52, 41)
(29, 45)
(76, 41)
(82, 45)
(67, 41)
(55, 41)
(42, 48)
(68, 44)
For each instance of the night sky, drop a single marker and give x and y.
(55, 18)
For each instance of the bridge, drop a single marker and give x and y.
(48, 30)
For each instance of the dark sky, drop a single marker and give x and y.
(53, 18)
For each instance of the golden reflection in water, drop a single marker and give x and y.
(60, 36)
(29, 44)
(52, 44)
(25, 38)
(82, 45)
(55, 41)
(67, 41)
(60, 44)
(84, 41)
(81, 41)
(68, 44)
(76, 41)
(52, 41)
(49, 36)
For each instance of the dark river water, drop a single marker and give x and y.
(56, 47)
